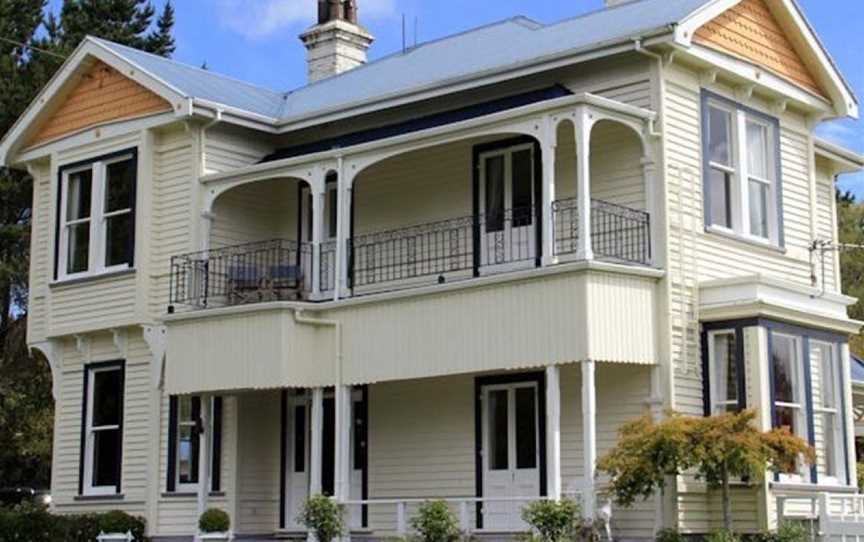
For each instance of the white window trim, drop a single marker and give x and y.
(819, 408)
(89, 434)
(193, 487)
(98, 224)
(740, 176)
(712, 366)
(801, 407)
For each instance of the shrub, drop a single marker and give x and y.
(214, 520)
(788, 531)
(670, 535)
(553, 521)
(860, 471)
(323, 516)
(34, 523)
(118, 521)
(722, 535)
(435, 522)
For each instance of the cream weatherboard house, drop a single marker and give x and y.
(453, 272)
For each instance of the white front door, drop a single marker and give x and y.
(297, 459)
(511, 453)
(508, 235)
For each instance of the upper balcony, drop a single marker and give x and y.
(562, 180)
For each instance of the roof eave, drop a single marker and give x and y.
(846, 160)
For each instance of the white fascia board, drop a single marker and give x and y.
(848, 161)
(845, 102)
(759, 76)
(88, 48)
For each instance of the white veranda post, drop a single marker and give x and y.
(317, 190)
(584, 250)
(589, 431)
(204, 453)
(548, 149)
(317, 441)
(553, 432)
(342, 476)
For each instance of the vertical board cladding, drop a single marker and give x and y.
(174, 193)
(256, 212)
(177, 512)
(749, 30)
(101, 95)
(136, 426)
(826, 226)
(258, 469)
(39, 307)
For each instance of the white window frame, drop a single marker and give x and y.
(798, 373)
(181, 487)
(838, 449)
(718, 406)
(740, 175)
(90, 430)
(97, 255)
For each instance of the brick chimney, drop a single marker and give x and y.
(337, 43)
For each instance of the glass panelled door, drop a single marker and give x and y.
(507, 225)
(297, 459)
(511, 460)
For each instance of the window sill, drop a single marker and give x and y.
(95, 277)
(112, 497)
(189, 494)
(732, 236)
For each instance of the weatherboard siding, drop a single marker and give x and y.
(100, 96)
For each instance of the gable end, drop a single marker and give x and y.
(101, 95)
(750, 31)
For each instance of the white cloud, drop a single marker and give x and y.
(257, 19)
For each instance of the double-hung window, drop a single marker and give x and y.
(827, 411)
(789, 389)
(725, 373)
(102, 430)
(97, 216)
(742, 188)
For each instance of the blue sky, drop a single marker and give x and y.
(256, 40)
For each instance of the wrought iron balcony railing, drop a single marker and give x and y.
(617, 232)
(276, 269)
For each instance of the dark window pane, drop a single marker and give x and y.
(785, 378)
(526, 429)
(307, 235)
(107, 398)
(726, 367)
(78, 195)
(78, 254)
(498, 431)
(118, 239)
(300, 438)
(523, 197)
(328, 448)
(719, 136)
(720, 187)
(188, 454)
(494, 205)
(106, 446)
(119, 187)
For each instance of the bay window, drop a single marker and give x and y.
(788, 386)
(96, 219)
(828, 424)
(102, 429)
(725, 373)
(742, 187)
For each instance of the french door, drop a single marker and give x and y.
(511, 453)
(508, 235)
(298, 455)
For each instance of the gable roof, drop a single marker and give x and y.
(472, 58)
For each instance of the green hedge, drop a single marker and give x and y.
(35, 524)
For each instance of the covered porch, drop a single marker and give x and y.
(561, 179)
(486, 443)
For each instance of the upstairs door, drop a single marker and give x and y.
(508, 235)
(511, 453)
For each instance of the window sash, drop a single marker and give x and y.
(90, 432)
(719, 376)
(97, 250)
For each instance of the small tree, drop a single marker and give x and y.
(323, 516)
(435, 522)
(716, 448)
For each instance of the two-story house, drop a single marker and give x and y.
(451, 273)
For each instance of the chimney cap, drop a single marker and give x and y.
(335, 10)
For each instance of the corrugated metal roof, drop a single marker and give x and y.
(489, 48)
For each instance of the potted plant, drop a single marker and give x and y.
(324, 517)
(118, 526)
(214, 524)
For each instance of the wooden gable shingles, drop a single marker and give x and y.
(102, 95)
(749, 31)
